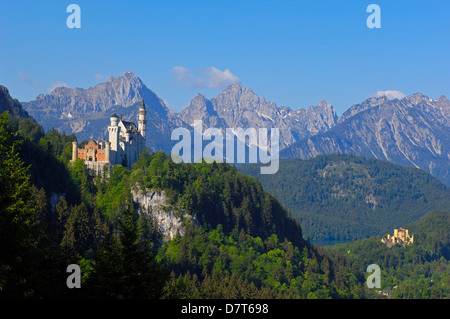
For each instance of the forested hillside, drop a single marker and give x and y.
(420, 270)
(344, 197)
(13, 106)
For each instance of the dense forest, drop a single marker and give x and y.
(55, 214)
(344, 197)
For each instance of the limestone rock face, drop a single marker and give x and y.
(169, 221)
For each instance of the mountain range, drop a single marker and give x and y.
(412, 131)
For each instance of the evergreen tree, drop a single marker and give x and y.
(18, 218)
(125, 267)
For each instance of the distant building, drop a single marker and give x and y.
(401, 236)
(385, 292)
(124, 145)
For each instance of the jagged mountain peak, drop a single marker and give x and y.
(236, 91)
(326, 108)
(128, 77)
(238, 106)
(417, 98)
(369, 103)
(324, 103)
(200, 108)
(415, 101)
(198, 97)
(59, 90)
(442, 98)
(199, 103)
(125, 90)
(235, 87)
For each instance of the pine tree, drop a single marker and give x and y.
(62, 212)
(125, 267)
(78, 233)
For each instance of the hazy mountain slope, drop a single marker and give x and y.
(343, 197)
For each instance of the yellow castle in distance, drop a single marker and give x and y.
(401, 236)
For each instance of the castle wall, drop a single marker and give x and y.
(98, 168)
(101, 155)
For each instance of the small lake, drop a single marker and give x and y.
(329, 242)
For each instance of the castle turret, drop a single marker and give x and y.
(114, 131)
(114, 119)
(107, 150)
(74, 150)
(142, 118)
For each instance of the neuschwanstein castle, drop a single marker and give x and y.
(124, 145)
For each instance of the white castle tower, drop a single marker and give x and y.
(124, 145)
(142, 119)
(114, 133)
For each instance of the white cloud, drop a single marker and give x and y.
(391, 94)
(204, 78)
(181, 74)
(99, 76)
(56, 85)
(25, 78)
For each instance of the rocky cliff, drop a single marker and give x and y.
(170, 222)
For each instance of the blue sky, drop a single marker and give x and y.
(294, 53)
